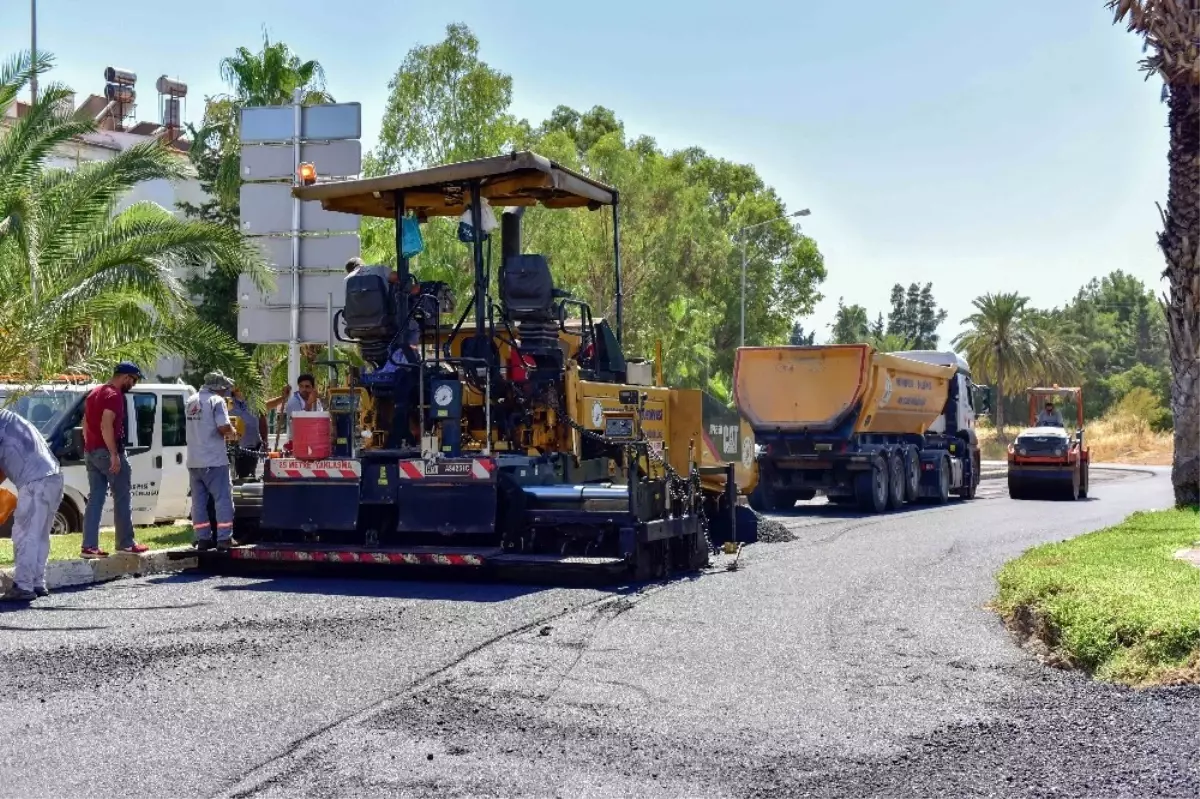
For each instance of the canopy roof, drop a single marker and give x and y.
(519, 178)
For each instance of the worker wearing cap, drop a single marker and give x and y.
(27, 461)
(208, 431)
(104, 426)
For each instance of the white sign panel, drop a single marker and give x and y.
(335, 159)
(267, 209)
(317, 122)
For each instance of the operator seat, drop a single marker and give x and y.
(370, 313)
(528, 293)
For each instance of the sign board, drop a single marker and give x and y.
(277, 161)
(317, 122)
(315, 288)
(274, 325)
(267, 209)
(316, 252)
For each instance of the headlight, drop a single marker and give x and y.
(1059, 452)
(1022, 451)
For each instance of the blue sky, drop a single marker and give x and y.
(983, 146)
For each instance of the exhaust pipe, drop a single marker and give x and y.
(510, 232)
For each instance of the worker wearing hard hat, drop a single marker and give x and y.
(208, 432)
(28, 463)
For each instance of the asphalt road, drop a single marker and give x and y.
(856, 660)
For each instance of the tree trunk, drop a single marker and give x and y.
(1180, 242)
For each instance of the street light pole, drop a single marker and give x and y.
(742, 236)
(33, 47)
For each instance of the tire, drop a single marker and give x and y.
(762, 499)
(1083, 482)
(912, 474)
(66, 519)
(896, 479)
(1015, 489)
(871, 487)
(943, 486)
(971, 487)
(1072, 488)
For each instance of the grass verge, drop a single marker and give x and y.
(66, 547)
(1115, 603)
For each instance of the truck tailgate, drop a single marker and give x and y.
(793, 388)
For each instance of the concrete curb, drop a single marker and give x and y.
(71, 573)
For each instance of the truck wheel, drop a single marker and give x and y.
(969, 488)
(912, 474)
(943, 486)
(896, 481)
(764, 499)
(871, 487)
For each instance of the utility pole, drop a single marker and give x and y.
(742, 235)
(33, 47)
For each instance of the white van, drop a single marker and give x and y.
(156, 446)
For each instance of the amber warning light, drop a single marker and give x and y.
(307, 173)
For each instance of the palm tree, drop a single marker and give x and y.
(80, 285)
(1001, 345)
(1058, 351)
(1171, 30)
(268, 77)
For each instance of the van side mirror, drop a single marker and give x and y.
(72, 446)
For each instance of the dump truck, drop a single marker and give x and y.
(871, 428)
(512, 433)
(1046, 458)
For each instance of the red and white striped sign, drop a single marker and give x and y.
(348, 556)
(461, 468)
(325, 470)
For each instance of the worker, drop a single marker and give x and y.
(253, 438)
(208, 431)
(1050, 416)
(27, 461)
(104, 426)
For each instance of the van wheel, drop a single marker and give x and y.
(66, 520)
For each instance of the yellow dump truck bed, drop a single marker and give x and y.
(849, 387)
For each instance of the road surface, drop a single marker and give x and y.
(856, 660)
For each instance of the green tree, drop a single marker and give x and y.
(850, 325)
(915, 317)
(1001, 345)
(799, 338)
(267, 77)
(105, 283)
(1170, 29)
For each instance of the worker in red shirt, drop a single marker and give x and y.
(104, 426)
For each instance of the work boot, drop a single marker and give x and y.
(226, 545)
(42, 592)
(204, 545)
(18, 594)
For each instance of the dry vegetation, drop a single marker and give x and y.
(1117, 438)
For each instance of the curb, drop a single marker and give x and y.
(71, 573)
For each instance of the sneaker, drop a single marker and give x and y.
(91, 553)
(43, 591)
(17, 594)
(136, 549)
(205, 545)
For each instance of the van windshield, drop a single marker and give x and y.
(45, 408)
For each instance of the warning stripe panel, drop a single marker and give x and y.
(343, 556)
(457, 469)
(348, 469)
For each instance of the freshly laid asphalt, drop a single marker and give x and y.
(857, 660)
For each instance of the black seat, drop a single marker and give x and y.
(528, 289)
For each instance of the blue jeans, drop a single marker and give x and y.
(99, 484)
(212, 481)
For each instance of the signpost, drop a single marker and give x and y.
(300, 240)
